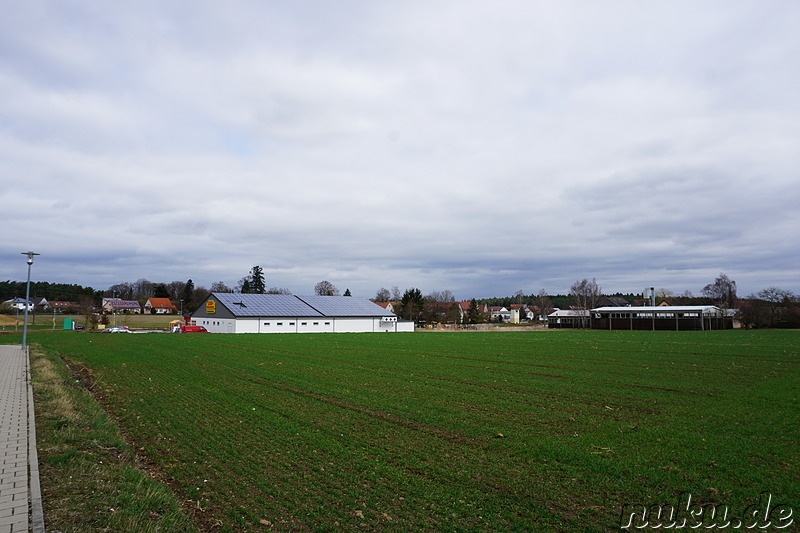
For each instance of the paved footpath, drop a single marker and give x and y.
(20, 496)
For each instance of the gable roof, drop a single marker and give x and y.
(160, 303)
(258, 305)
(611, 301)
(117, 303)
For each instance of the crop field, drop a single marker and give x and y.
(538, 431)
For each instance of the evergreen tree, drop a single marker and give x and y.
(257, 283)
(186, 296)
(473, 314)
(347, 292)
(161, 291)
(412, 304)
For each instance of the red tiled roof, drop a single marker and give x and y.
(160, 303)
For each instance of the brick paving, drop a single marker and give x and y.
(20, 495)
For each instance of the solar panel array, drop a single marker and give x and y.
(296, 306)
(344, 306)
(264, 304)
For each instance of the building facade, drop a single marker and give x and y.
(661, 318)
(284, 313)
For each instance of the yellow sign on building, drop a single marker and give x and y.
(211, 307)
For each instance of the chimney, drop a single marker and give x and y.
(653, 296)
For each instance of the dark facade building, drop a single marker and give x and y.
(661, 318)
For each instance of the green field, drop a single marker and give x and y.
(539, 431)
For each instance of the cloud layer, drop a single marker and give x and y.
(478, 147)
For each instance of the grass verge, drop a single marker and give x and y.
(90, 481)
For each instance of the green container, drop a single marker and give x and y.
(68, 323)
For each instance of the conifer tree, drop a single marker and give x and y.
(257, 283)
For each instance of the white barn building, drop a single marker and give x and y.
(224, 312)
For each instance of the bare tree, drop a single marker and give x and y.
(585, 294)
(396, 293)
(383, 295)
(519, 297)
(437, 306)
(175, 290)
(440, 297)
(143, 289)
(722, 291)
(663, 294)
(90, 319)
(326, 288)
(772, 306)
(219, 286)
(121, 290)
(544, 303)
(276, 290)
(198, 295)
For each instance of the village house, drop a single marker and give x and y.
(117, 305)
(159, 306)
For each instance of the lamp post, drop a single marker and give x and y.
(27, 299)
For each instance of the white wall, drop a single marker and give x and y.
(217, 325)
(406, 326)
(355, 325)
(315, 325)
(272, 325)
(302, 325)
(247, 325)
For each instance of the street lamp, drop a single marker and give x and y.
(27, 299)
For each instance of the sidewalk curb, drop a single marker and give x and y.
(34, 488)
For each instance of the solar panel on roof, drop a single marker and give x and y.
(264, 305)
(297, 306)
(344, 306)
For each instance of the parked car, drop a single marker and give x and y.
(118, 329)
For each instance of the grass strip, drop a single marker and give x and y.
(89, 475)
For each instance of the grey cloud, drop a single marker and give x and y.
(446, 145)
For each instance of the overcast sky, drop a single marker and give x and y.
(480, 147)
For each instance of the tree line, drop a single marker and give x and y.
(770, 307)
(52, 291)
